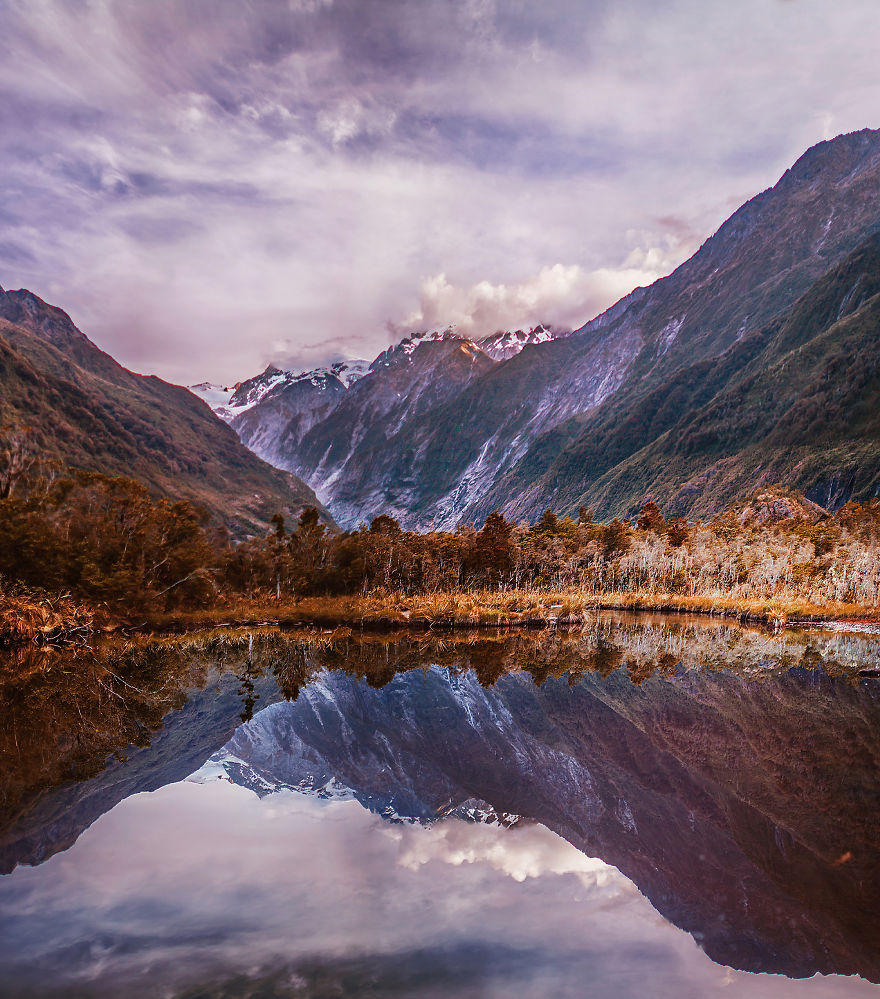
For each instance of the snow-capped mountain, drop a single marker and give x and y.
(299, 768)
(504, 344)
(275, 381)
(346, 408)
(442, 429)
(229, 401)
(216, 396)
(278, 406)
(322, 424)
(405, 383)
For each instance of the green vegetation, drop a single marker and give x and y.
(795, 401)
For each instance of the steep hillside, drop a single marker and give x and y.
(497, 442)
(403, 384)
(797, 402)
(273, 411)
(85, 409)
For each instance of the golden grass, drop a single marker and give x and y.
(492, 608)
(26, 617)
(31, 618)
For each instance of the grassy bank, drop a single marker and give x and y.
(28, 618)
(492, 608)
(40, 619)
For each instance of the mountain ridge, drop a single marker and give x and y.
(86, 410)
(512, 438)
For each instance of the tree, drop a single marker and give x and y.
(677, 532)
(616, 538)
(651, 519)
(18, 455)
(492, 554)
(308, 550)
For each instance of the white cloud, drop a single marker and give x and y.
(196, 882)
(564, 296)
(526, 852)
(309, 162)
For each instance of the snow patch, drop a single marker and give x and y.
(506, 344)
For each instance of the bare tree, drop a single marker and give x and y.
(18, 454)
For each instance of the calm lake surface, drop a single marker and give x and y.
(649, 806)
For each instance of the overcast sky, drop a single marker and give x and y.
(208, 185)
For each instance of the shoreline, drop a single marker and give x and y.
(447, 612)
(434, 612)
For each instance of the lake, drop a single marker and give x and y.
(649, 805)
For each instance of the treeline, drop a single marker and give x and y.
(107, 541)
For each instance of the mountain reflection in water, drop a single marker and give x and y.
(730, 774)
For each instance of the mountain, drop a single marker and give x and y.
(404, 383)
(503, 345)
(272, 412)
(86, 410)
(323, 424)
(216, 396)
(516, 439)
(796, 402)
(752, 363)
(275, 411)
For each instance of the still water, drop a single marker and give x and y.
(645, 807)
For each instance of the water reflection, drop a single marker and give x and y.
(731, 774)
(218, 892)
(745, 810)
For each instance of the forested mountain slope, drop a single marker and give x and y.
(542, 428)
(78, 406)
(796, 402)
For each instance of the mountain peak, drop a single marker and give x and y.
(45, 321)
(504, 344)
(840, 154)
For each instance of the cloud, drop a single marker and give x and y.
(185, 886)
(350, 118)
(563, 296)
(196, 181)
(527, 852)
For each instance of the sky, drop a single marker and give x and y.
(210, 185)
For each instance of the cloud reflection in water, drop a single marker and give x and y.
(200, 883)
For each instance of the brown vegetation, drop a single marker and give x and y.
(145, 562)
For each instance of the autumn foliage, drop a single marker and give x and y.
(107, 541)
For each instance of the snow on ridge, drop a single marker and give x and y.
(253, 390)
(506, 343)
(257, 389)
(216, 396)
(409, 344)
(226, 766)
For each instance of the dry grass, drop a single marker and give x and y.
(41, 619)
(490, 609)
